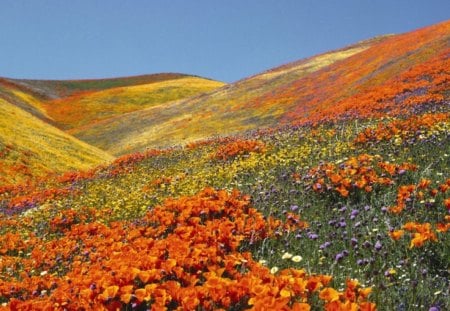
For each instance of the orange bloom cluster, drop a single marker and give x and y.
(126, 163)
(182, 255)
(362, 172)
(419, 192)
(422, 192)
(347, 300)
(401, 128)
(239, 147)
(421, 233)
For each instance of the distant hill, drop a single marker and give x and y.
(34, 113)
(52, 89)
(30, 148)
(87, 108)
(390, 75)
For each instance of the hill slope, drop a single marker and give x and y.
(52, 89)
(399, 73)
(200, 116)
(29, 147)
(87, 108)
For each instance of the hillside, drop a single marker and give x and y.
(87, 108)
(333, 195)
(324, 217)
(23, 98)
(52, 89)
(400, 73)
(30, 148)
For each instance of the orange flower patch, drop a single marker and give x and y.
(238, 147)
(357, 173)
(185, 254)
(402, 129)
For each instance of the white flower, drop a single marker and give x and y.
(274, 270)
(297, 258)
(286, 256)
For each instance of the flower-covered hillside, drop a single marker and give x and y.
(390, 75)
(350, 216)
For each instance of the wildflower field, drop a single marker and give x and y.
(345, 216)
(323, 184)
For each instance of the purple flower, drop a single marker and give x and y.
(367, 244)
(367, 207)
(294, 208)
(434, 308)
(354, 241)
(339, 257)
(378, 245)
(342, 224)
(384, 209)
(353, 214)
(325, 245)
(313, 236)
(360, 262)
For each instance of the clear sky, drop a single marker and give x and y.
(225, 40)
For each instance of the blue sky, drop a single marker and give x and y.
(225, 40)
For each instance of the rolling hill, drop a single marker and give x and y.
(400, 73)
(87, 108)
(31, 148)
(70, 104)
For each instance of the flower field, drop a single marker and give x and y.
(323, 184)
(345, 216)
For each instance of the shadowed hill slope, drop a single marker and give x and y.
(30, 148)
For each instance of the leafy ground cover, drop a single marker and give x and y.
(341, 216)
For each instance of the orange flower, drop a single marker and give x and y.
(447, 203)
(301, 306)
(424, 183)
(367, 306)
(109, 292)
(397, 234)
(329, 294)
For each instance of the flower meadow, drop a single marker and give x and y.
(341, 216)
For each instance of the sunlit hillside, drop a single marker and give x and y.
(392, 75)
(30, 147)
(51, 89)
(85, 109)
(217, 112)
